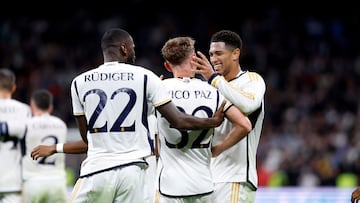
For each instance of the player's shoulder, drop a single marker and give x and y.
(82, 73)
(254, 76)
(48, 119)
(253, 73)
(142, 69)
(186, 81)
(58, 120)
(20, 104)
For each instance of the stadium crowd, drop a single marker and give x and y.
(310, 63)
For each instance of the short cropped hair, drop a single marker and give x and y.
(177, 49)
(7, 79)
(42, 99)
(230, 38)
(114, 37)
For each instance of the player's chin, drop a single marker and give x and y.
(218, 70)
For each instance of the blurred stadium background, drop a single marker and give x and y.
(309, 58)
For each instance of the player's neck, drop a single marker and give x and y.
(39, 112)
(5, 95)
(233, 73)
(183, 73)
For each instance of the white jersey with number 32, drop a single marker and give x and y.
(185, 155)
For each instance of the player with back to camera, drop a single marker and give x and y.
(45, 178)
(110, 105)
(79, 147)
(184, 156)
(234, 170)
(13, 117)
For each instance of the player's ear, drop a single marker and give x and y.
(51, 108)
(236, 53)
(168, 66)
(123, 50)
(13, 89)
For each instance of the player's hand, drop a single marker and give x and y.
(219, 114)
(355, 195)
(42, 151)
(203, 65)
(216, 150)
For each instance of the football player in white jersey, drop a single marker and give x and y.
(44, 179)
(78, 147)
(110, 105)
(234, 170)
(184, 169)
(150, 172)
(13, 116)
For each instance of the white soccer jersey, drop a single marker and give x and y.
(185, 155)
(44, 130)
(152, 126)
(150, 172)
(49, 171)
(13, 116)
(116, 135)
(238, 164)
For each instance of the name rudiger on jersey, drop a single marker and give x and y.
(187, 94)
(96, 76)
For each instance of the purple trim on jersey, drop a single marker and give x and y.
(212, 77)
(145, 116)
(76, 88)
(238, 76)
(217, 99)
(4, 129)
(253, 117)
(114, 167)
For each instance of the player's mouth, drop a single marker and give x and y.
(217, 67)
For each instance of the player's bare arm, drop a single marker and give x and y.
(76, 147)
(180, 120)
(42, 151)
(83, 128)
(355, 195)
(241, 128)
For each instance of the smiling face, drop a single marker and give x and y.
(224, 59)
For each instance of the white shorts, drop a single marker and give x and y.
(233, 192)
(123, 184)
(150, 180)
(11, 197)
(45, 190)
(193, 199)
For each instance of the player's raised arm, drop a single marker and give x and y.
(241, 128)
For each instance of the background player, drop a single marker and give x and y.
(13, 116)
(45, 178)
